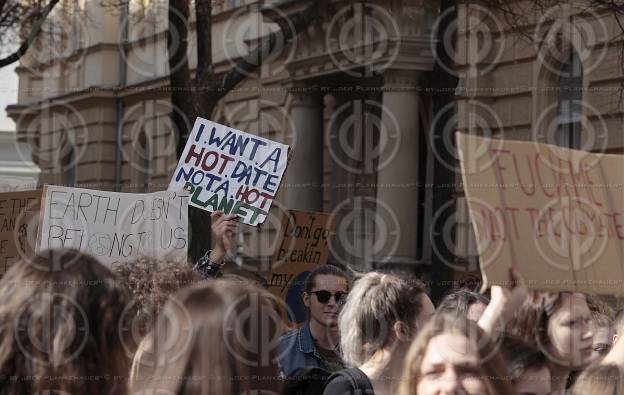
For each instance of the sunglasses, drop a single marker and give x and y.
(324, 296)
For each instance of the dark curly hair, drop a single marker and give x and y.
(151, 281)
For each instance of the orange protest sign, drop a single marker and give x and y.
(19, 218)
(555, 214)
(304, 246)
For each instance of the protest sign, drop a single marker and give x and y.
(19, 217)
(555, 214)
(304, 246)
(228, 170)
(115, 227)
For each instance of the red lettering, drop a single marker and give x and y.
(538, 173)
(498, 166)
(531, 190)
(193, 154)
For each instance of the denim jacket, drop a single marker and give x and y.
(297, 351)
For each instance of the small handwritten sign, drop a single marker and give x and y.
(229, 170)
(115, 227)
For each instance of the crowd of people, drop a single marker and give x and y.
(70, 325)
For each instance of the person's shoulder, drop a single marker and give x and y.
(290, 335)
(349, 381)
(289, 339)
(338, 384)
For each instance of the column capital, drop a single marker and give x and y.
(304, 94)
(401, 79)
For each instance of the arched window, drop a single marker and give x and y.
(569, 102)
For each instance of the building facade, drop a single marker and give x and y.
(349, 94)
(17, 170)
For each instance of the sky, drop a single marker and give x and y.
(8, 94)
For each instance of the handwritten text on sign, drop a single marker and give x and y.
(304, 246)
(18, 225)
(116, 227)
(554, 213)
(231, 171)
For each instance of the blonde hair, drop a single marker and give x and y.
(139, 365)
(375, 303)
(600, 379)
(493, 371)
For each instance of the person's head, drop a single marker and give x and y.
(324, 291)
(217, 337)
(243, 276)
(381, 309)
(527, 367)
(59, 317)
(618, 325)
(453, 356)
(602, 326)
(559, 324)
(464, 302)
(599, 379)
(150, 282)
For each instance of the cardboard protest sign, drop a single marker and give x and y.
(553, 213)
(231, 171)
(19, 217)
(115, 227)
(304, 245)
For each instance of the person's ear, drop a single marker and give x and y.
(306, 299)
(401, 331)
(615, 338)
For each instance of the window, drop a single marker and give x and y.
(569, 102)
(144, 156)
(68, 163)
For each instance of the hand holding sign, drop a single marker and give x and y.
(223, 229)
(231, 171)
(504, 302)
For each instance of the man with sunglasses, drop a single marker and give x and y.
(315, 344)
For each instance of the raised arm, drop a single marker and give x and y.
(223, 228)
(504, 303)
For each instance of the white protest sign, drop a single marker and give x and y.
(115, 227)
(231, 171)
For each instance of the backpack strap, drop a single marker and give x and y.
(358, 380)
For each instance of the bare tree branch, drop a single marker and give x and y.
(34, 31)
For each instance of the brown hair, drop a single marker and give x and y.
(218, 337)
(59, 321)
(531, 322)
(600, 380)
(492, 365)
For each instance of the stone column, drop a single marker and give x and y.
(397, 171)
(305, 172)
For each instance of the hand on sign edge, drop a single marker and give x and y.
(223, 230)
(504, 303)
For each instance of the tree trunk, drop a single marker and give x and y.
(185, 99)
(443, 177)
(199, 97)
